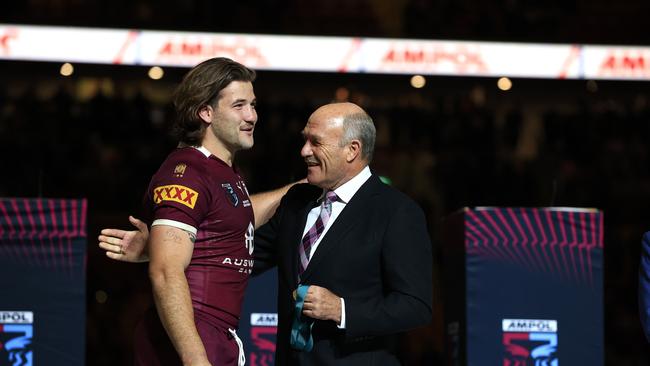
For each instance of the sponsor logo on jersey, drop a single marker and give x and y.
(242, 187)
(179, 170)
(249, 238)
(176, 193)
(244, 265)
(244, 191)
(230, 194)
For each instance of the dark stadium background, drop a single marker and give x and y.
(457, 142)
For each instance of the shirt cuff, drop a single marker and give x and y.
(342, 326)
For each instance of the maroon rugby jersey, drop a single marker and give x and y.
(196, 191)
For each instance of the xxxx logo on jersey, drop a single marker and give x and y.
(176, 193)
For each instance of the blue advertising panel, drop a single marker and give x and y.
(42, 262)
(529, 287)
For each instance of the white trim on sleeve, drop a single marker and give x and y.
(176, 224)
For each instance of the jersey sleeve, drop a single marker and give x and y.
(180, 195)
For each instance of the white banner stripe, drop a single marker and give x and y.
(324, 54)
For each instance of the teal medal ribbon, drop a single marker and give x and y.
(301, 338)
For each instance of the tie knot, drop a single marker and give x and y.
(330, 197)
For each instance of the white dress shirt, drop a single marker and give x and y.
(345, 193)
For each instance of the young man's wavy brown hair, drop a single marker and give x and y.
(201, 86)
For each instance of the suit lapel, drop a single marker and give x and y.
(351, 214)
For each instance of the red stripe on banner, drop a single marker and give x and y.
(82, 230)
(53, 233)
(29, 216)
(563, 244)
(592, 244)
(2, 247)
(571, 57)
(84, 207)
(33, 232)
(41, 236)
(514, 239)
(475, 249)
(23, 229)
(9, 225)
(12, 232)
(481, 231)
(481, 238)
(64, 217)
(582, 248)
(524, 239)
(75, 225)
(75, 233)
(2, 231)
(600, 234)
(534, 242)
(65, 255)
(504, 239)
(468, 248)
(553, 242)
(355, 44)
(24, 257)
(502, 254)
(131, 36)
(543, 244)
(573, 245)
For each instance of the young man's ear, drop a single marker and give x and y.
(206, 113)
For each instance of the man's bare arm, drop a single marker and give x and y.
(170, 253)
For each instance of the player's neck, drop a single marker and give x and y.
(218, 149)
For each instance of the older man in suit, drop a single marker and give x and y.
(360, 246)
(644, 285)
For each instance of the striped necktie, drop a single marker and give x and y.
(316, 230)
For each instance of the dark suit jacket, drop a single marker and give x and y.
(644, 285)
(377, 256)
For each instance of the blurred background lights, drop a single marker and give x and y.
(592, 86)
(66, 69)
(504, 84)
(418, 81)
(342, 94)
(101, 296)
(156, 73)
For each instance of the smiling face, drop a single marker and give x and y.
(234, 117)
(328, 164)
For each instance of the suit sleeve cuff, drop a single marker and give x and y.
(342, 325)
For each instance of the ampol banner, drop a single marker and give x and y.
(259, 320)
(42, 264)
(524, 286)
